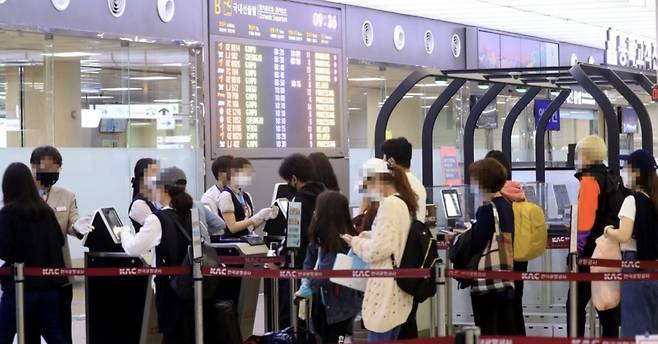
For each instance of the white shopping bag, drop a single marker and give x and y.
(349, 262)
(606, 294)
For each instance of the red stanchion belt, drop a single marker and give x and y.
(552, 276)
(315, 274)
(516, 340)
(107, 272)
(6, 271)
(637, 264)
(558, 242)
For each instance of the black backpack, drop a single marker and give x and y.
(420, 251)
(612, 197)
(462, 257)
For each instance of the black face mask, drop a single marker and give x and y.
(47, 179)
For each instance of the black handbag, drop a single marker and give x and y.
(462, 257)
(183, 285)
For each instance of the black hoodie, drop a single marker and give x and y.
(306, 196)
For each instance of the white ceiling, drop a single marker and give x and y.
(575, 21)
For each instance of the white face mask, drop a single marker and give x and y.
(151, 182)
(242, 180)
(373, 195)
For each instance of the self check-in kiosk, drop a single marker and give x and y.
(108, 297)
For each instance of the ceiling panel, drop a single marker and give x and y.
(575, 21)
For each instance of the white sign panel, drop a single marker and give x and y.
(138, 111)
(294, 237)
(196, 234)
(631, 52)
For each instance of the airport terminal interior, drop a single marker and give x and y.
(90, 89)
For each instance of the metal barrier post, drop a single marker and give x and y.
(19, 281)
(573, 299)
(592, 321)
(442, 298)
(293, 289)
(471, 335)
(198, 301)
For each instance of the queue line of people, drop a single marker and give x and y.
(160, 214)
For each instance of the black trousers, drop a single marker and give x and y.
(330, 333)
(409, 329)
(519, 320)
(64, 314)
(610, 319)
(493, 313)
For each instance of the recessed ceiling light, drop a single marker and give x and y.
(172, 65)
(415, 94)
(71, 54)
(167, 100)
(120, 89)
(366, 79)
(97, 97)
(90, 90)
(354, 109)
(153, 78)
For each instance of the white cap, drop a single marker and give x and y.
(374, 166)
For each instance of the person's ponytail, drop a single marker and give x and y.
(651, 187)
(402, 186)
(180, 200)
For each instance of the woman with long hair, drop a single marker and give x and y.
(385, 306)
(336, 306)
(638, 235)
(143, 185)
(324, 172)
(31, 235)
(168, 232)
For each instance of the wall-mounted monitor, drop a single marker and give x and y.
(277, 78)
(628, 121)
(489, 117)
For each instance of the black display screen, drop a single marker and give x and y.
(277, 68)
(269, 96)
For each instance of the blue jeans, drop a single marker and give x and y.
(387, 336)
(42, 306)
(639, 304)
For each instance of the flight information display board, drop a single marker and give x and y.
(277, 83)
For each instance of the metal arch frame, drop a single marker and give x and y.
(609, 113)
(389, 105)
(513, 115)
(471, 122)
(635, 102)
(428, 130)
(540, 134)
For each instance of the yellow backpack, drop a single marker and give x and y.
(530, 231)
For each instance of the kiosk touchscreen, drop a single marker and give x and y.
(561, 198)
(103, 239)
(451, 204)
(276, 228)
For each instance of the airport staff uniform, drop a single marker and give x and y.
(210, 199)
(64, 205)
(175, 315)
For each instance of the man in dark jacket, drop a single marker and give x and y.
(297, 171)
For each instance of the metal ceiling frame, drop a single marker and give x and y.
(590, 77)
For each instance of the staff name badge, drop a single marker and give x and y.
(293, 236)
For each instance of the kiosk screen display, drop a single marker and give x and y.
(451, 203)
(112, 220)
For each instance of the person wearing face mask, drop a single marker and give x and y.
(385, 307)
(220, 169)
(146, 172)
(638, 236)
(46, 163)
(593, 215)
(235, 204)
(163, 231)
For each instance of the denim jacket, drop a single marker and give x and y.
(341, 303)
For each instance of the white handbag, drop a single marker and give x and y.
(350, 262)
(606, 294)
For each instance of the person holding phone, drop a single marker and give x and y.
(335, 306)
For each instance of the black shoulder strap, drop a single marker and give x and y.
(166, 218)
